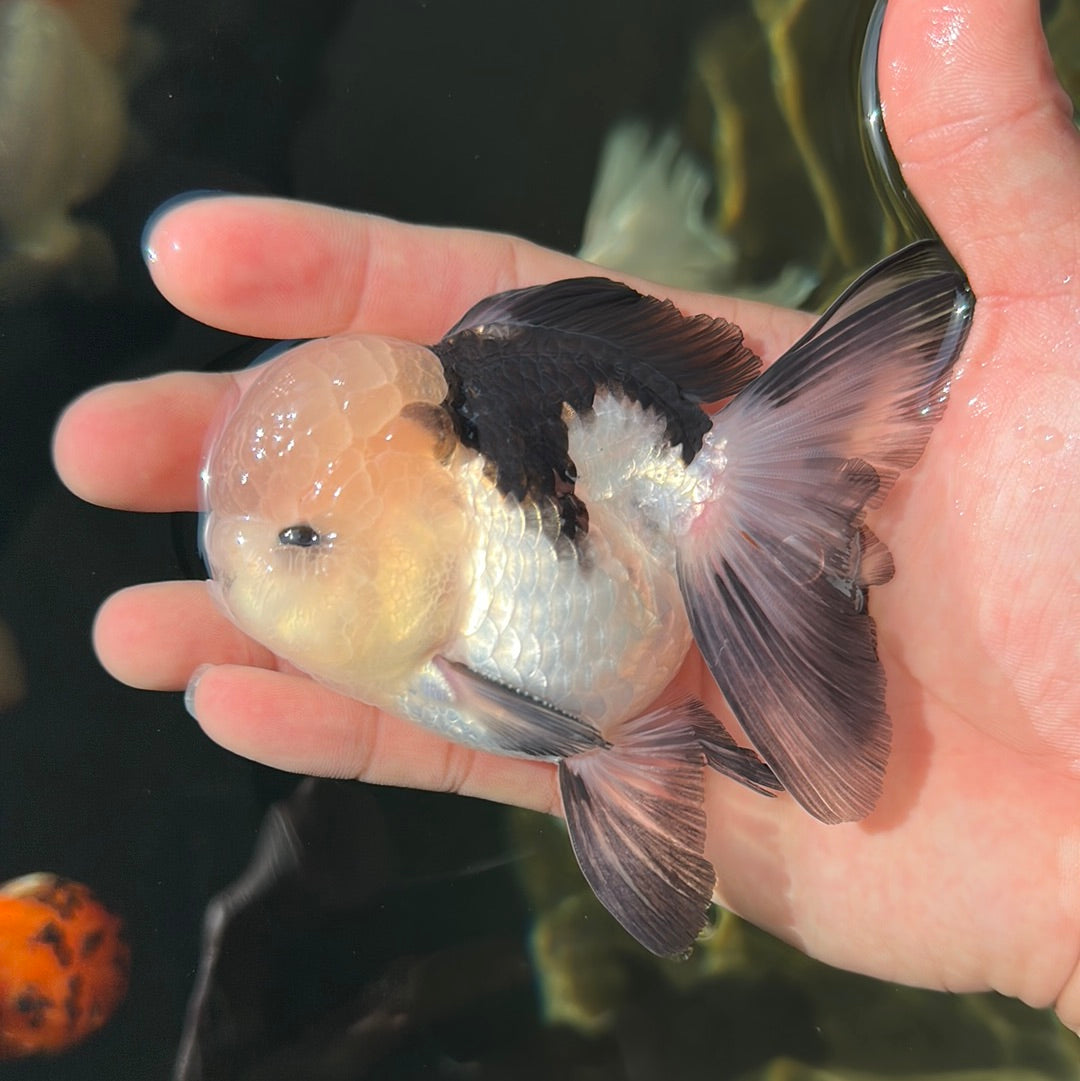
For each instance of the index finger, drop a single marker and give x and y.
(276, 268)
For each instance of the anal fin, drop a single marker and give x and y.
(723, 754)
(637, 825)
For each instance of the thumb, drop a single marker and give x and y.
(983, 134)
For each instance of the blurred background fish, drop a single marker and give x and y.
(63, 129)
(63, 965)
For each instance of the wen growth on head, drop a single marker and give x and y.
(514, 536)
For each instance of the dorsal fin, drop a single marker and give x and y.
(704, 357)
(517, 359)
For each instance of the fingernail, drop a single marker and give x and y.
(150, 253)
(192, 687)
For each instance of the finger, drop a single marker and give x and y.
(281, 269)
(983, 133)
(284, 269)
(140, 446)
(290, 723)
(154, 636)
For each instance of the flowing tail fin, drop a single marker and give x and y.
(774, 571)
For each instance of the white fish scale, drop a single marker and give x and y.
(597, 632)
(527, 606)
(641, 479)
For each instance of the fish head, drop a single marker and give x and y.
(333, 528)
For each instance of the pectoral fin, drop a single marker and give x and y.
(516, 723)
(637, 824)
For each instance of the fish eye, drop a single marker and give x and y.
(298, 536)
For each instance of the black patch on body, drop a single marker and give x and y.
(63, 898)
(52, 936)
(518, 358)
(91, 943)
(32, 1004)
(71, 1001)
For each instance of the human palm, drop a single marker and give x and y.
(968, 873)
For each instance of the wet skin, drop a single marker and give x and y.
(967, 875)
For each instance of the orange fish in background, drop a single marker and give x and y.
(63, 965)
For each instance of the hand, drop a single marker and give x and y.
(967, 875)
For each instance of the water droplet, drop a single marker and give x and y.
(1049, 440)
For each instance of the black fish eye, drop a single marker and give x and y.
(299, 536)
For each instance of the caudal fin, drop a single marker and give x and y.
(774, 571)
(637, 825)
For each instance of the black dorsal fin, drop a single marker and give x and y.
(703, 356)
(516, 359)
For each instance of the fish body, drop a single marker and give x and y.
(64, 964)
(514, 536)
(63, 127)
